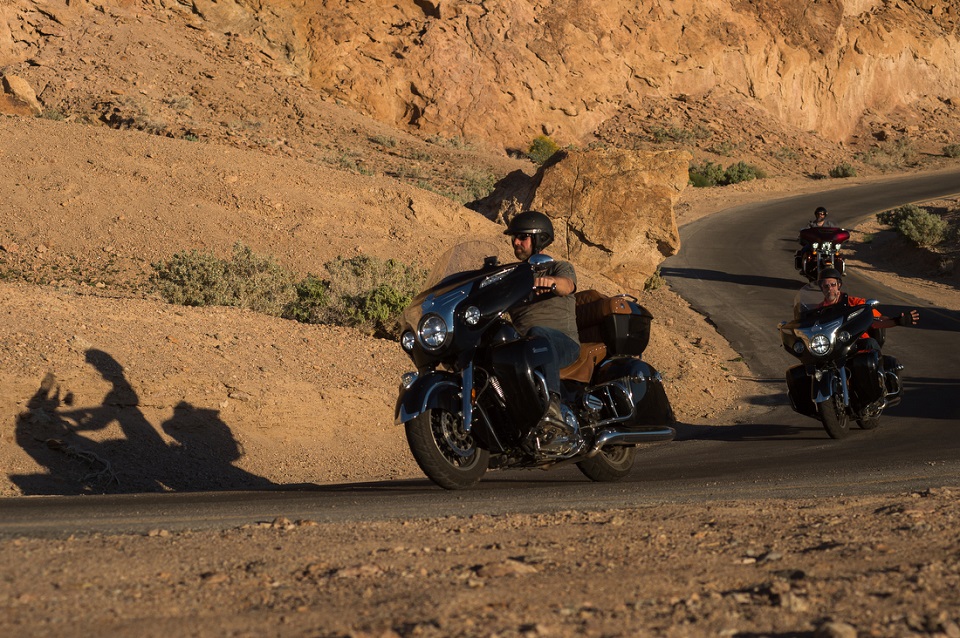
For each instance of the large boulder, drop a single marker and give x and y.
(613, 210)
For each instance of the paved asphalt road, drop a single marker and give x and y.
(737, 268)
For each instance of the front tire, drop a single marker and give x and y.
(446, 454)
(610, 464)
(834, 418)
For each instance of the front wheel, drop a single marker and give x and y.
(446, 453)
(833, 415)
(610, 464)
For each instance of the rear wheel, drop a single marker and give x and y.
(610, 464)
(868, 422)
(833, 415)
(446, 453)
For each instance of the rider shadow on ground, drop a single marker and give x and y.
(52, 431)
(743, 280)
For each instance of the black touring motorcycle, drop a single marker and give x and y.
(837, 379)
(478, 395)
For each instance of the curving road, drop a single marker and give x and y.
(736, 268)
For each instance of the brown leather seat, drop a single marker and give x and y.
(582, 369)
(592, 307)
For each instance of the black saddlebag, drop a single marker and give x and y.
(620, 323)
(800, 391)
(866, 377)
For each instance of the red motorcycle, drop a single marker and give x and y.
(820, 248)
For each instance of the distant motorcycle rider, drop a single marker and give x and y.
(819, 218)
(552, 313)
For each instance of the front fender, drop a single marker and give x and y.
(822, 389)
(433, 390)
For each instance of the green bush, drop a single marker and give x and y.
(705, 173)
(952, 150)
(843, 170)
(541, 149)
(312, 297)
(892, 154)
(245, 281)
(916, 224)
(654, 281)
(369, 293)
(362, 292)
(742, 172)
(708, 173)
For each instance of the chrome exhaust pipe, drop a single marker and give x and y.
(632, 437)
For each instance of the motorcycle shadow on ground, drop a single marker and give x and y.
(130, 456)
(720, 276)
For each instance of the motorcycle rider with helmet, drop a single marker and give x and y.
(830, 283)
(551, 314)
(819, 218)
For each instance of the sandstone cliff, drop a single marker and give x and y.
(506, 70)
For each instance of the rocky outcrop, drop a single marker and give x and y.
(18, 97)
(613, 211)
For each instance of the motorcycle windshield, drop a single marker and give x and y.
(471, 270)
(820, 234)
(460, 263)
(806, 300)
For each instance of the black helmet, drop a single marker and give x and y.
(534, 223)
(830, 273)
(820, 209)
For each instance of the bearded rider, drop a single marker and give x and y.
(552, 313)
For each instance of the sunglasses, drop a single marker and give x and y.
(829, 284)
(524, 236)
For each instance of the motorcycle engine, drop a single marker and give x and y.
(556, 441)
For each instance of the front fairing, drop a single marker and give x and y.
(819, 335)
(465, 302)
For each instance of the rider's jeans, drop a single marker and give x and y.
(563, 350)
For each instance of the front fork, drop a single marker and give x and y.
(467, 397)
(825, 385)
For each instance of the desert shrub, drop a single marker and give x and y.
(384, 140)
(892, 154)
(742, 172)
(312, 297)
(708, 173)
(245, 281)
(362, 292)
(918, 225)
(952, 150)
(654, 281)
(784, 153)
(477, 184)
(705, 173)
(541, 149)
(843, 170)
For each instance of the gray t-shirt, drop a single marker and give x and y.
(550, 310)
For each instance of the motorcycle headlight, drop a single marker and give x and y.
(407, 341)
(820, 345)
(472, 315)
(843, 336)
(798, 347)
(433, 331)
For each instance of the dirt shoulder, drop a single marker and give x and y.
(873, 566)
